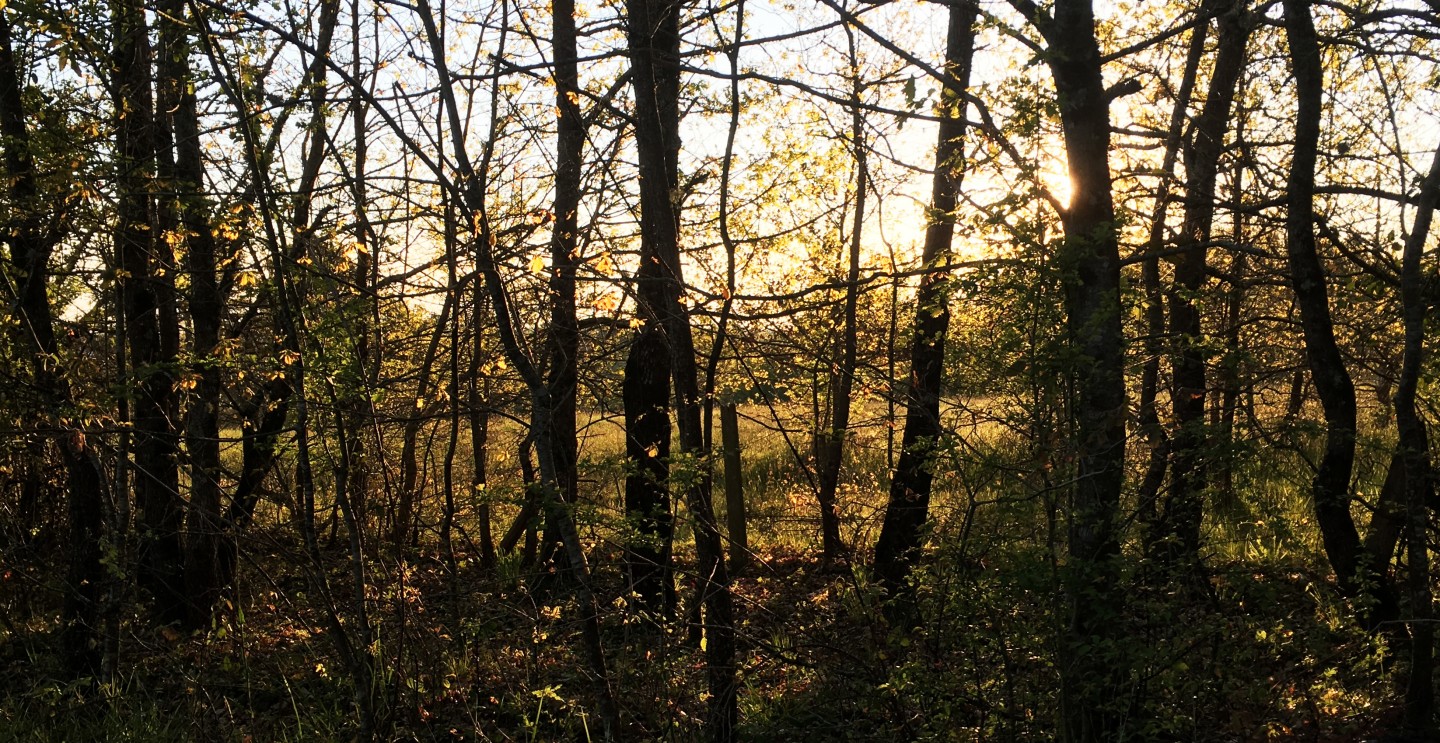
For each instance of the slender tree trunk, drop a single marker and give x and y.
(1230, 368)
(729, 423)
(1147, 416)
(358, 400)
(406, 509)
(1177, 543)
(564, 343)
(1307, 277)
(653, 27)
(831, 449)
(1415, 449)
(908, 507)
(447, 469)
(734, 488)
(480, 434)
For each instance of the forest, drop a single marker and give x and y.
(723, 370)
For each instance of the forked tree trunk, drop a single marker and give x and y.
(204, 579)
(1176, 540)
(143, 278)
(653, 29)
(1147, 414)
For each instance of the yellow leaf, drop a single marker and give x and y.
(537, 264)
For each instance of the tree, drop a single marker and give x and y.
(146, 286)
(653, 31)
(1178, 538)
(1307, 277)
(1090, 260)
(907, 509)
(1414, 449)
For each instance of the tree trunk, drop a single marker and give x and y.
(160, 511)
(831, 444)
(653, 28)
(363, 311)
(647, 449)
(1415, 450)
(734, 488)
(1147, 416)
(150, 381)
(203, 577)
(1307, 276)
(1176, 541)
(1091, 675)
(1230, 368)
(564, 346)
(406, 510)
(908, 507)
(480, 436)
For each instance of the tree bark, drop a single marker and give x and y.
(1090, 261)
(203, 574)
(653, 29)
(646, 391)
(1147, 416)
(1414, 448)
(160, 511)
(1176, 541)
(1331, 486)
(734, 488)
(480, 435)
(564, 345)
(902, 533)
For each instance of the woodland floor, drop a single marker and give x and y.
(478, 657)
